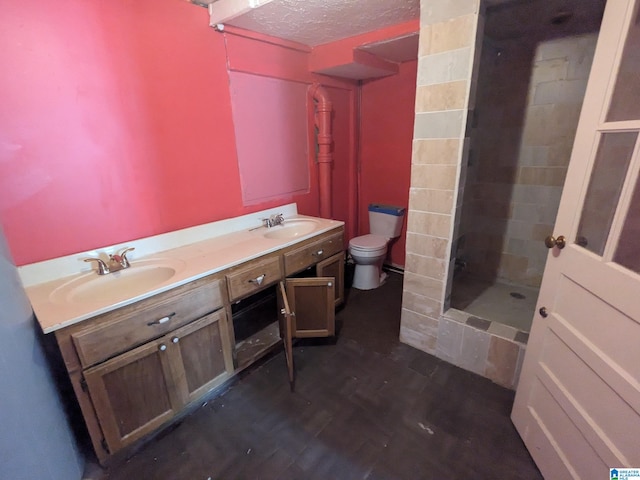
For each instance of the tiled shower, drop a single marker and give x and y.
(508, 105)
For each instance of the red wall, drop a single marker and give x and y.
(386, 135)
(116, 123)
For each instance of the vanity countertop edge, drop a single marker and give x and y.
(197, 260)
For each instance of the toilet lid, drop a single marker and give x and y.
(368, 242)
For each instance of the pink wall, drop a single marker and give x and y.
(116, 123)
(386, 134)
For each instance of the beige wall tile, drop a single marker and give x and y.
(551, 176)
(427, 287)
(445, 67)
(443, 10)
(513, 267)
(426, 266)
(447, 124)
(540, 231)
(449, 346)
(425, 343)
(475, 348)
(441, 177)
(434, 224)
(431, 200)
(451, 34)
(441, 96)
(427, 245)
(421, 304)
(443, 151)
(418, 330)
(501, 361)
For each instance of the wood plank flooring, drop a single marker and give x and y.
(365, 407)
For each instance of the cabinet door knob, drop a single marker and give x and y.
(175, 340)
(162, 347)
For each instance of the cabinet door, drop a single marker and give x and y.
(312, 303)
(307, 309)
(133, 394)
(285, 316)
(334, 267)
(201, 352)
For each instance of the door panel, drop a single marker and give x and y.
(577, 406)
(312, 301)
(334, 267)
(306, 310)
(201, 352)
(131, 394)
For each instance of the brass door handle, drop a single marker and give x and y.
(559, 242)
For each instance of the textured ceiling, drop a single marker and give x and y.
(315, 22)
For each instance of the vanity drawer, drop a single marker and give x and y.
(312, 253)
(130, 326)
(254, 278)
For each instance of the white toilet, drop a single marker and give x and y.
(369, 251)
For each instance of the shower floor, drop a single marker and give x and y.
(494, 301)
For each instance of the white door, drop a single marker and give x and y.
(577, 406)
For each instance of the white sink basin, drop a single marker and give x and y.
(292, 229)
(114, 287)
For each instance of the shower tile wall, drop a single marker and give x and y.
(528, 104)
(447, 50)
(449, 53)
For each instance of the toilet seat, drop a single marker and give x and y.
(368, 245)
(368, 242)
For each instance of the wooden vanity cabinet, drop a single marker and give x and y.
(137, 391)
(156, 357)
(135, 368)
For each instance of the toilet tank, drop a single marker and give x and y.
(385, 220)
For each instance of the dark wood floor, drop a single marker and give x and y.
(365, 406)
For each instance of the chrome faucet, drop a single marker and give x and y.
(118, 261)
(273, 220)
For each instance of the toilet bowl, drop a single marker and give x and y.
(369, 251)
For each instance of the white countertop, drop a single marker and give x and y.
(191, 261)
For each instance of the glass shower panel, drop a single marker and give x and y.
(605, 185)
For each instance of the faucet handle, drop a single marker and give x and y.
(122, 257)
(102, 267)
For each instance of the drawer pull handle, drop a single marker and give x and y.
(258, 280)
(162, 347)
(162, 320)
(318, 253)
(175, 340)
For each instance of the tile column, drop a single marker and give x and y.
(448, 50)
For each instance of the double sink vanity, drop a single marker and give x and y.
(194, 308)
